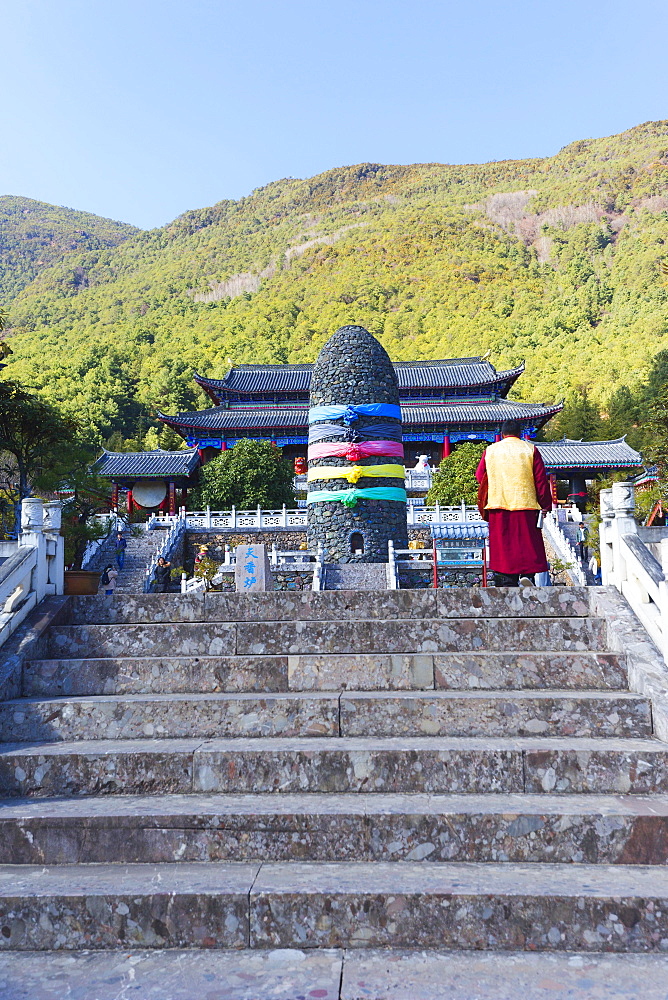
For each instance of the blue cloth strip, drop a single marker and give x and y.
(381, 432)
(351, 414)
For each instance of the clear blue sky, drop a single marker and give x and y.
(141, 109)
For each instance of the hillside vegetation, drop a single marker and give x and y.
(553, 261)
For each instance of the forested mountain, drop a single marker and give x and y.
(553, 261)
(34, 235)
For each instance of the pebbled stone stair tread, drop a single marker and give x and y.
(457, 878)
(177, 807)
(235, 877)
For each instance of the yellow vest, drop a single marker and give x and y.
(511, 484)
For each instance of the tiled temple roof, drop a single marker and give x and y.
(446, 374)
(157, 464)
(219, 418)
(567, 454)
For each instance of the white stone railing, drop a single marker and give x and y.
(110, 522)
(628, 564)
(563, 549)
(34, 565)
(286, 518)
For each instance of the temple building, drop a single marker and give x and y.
(442, 402)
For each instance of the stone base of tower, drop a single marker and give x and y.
(357, 535)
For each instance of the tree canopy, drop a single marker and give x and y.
(455, 481)
(252, 474)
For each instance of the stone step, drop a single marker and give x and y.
(410, 764)
(506, 713)
(329, 672)
(316, 637)
(464, 602)
(331, 974)
(170, 674)
(621, 908)
(175, 716)
(321, 713)
(592, 829)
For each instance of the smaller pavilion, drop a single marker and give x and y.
(151, 478)
(582, 461)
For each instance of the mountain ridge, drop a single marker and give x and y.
(549, 260)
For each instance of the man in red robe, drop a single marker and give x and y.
(512, 489)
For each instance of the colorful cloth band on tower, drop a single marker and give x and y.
(350, 497)
(355, 472)
(351, 414)
(383, 431)
(353, 450)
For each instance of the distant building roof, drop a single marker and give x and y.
(221, 418)
(445, 374)
(567, 454)
(156, 464)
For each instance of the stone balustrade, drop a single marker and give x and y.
(33, 566)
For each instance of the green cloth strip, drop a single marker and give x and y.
(350, 497)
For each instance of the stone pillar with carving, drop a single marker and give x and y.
(605, 530)
(55, 547)
(32, 536)
(623, 523)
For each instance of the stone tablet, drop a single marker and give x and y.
(252, 571)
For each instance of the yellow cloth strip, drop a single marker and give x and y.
(355, 472)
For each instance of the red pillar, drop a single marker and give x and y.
(172, 497)
(497, 437)
(223, 445)
(446, 446)
(131, 505)
(553, 490)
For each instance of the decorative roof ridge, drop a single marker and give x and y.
(566, 441)
(151, 451)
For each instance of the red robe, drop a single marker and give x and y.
(515, 540)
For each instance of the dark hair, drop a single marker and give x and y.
(511, 428)
(104, 580)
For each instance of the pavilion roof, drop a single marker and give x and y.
(568, 454)
(220, 418)
(448, 373)
(156, 464)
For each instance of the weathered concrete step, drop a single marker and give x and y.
(175, 716)
(464, 602)
(467, 906)
(281, 637)
(322, 713)
(115, 906)
(172, 675)
(456, 671)
(362, 973)
(329, 672)
(176, 974)
(594, 829)
(348, 764)
(323, 905)
(506, 713)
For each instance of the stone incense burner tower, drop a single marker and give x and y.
(356, 494)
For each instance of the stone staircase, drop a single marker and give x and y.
(139, 553)
(462, 770)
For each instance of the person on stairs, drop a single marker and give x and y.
(512, 490)
(121, 546)
(108, 580)
(162, 576)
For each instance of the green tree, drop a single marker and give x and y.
(252, 474)
(455, 479)
(33, 435)
(579, 420)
